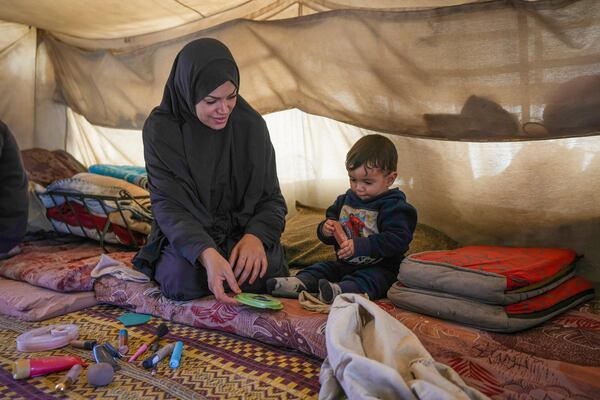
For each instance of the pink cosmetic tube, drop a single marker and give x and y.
(139, 352)
(30, 367)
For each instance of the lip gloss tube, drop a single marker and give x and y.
(123, 342)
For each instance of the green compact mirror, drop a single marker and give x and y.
(259, 301)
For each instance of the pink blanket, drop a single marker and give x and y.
(62, 267)
(31, 303)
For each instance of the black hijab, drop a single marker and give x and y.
(200, 67)
(208, 187)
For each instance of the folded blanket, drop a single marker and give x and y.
(75, 219)
(32, 303)
(370, 354)
(115, 193)
(136, 175)
(109, 266)
(129, 219)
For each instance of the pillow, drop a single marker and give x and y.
(32, 303)
(98, 185)
(303, 247)
(426, 238)
(45, 166)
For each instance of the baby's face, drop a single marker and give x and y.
(368, 183)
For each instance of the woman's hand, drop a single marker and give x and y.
(219, 270)
(346, 249)
(248, 259)
(328, 228)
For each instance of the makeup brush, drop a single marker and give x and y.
(161, 331)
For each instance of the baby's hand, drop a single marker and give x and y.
(346, 249)
(328, 228)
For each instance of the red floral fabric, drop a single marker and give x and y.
(521, 266)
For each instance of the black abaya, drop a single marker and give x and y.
(208, 187)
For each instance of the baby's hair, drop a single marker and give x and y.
(374, 151)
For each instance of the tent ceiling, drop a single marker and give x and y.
(111, 19)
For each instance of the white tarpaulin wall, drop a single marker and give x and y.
(406, 73)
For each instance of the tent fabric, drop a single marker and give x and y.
(17, 81)
(472, 72)
(116, 24)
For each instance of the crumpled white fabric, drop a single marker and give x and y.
(371, 355)
(109, 266)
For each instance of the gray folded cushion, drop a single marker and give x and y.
(497, 318)
(489, 274)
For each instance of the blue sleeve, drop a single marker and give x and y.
(396, 221)
(333, 212)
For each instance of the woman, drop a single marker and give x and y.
(218, 209)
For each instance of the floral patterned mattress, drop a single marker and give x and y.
(559, 359)
(60, 264)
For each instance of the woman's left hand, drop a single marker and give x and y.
(248, 259)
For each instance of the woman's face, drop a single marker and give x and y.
(214, 110)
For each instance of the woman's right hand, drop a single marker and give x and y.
(218, 270)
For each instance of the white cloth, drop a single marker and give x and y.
(109, 266)
(371, 355)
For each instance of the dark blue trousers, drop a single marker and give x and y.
(373, 280)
